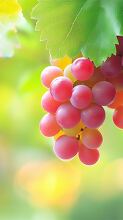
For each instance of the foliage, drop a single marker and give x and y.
(83, 25)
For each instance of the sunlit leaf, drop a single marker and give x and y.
(83, 25)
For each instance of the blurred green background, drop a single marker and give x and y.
(34, 184)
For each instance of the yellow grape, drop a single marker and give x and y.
(61, 62)
(75, 130)
(68, 73)
(59, 134)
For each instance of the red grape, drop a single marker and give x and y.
(118, 117)
(81, 96)
(61, 89)
(103, 93)
(88, 156)
(50, 73)
(93, 116)
(92, 138)
(82, 69)
(49, 126)
(66, 147)
(118, 100)
(49, 104)
(67, 116)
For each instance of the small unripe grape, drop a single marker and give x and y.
(68, 73)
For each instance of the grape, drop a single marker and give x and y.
(49, 126)
(96, 77)
(68, 73)
(93, 116)
(75, 130)
(122, 61)
(50, 73)
(117, 81)
(112, 66)
(103, 93)
(81, 96)
(119, 47)
(66, 147)
(49, 104)
(118, 100)
(88, 156)
(61, 89)
(118, 117)
(61, 62)
(67, 116)
(92, 138)
(82, 69)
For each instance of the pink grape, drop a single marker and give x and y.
(92, 138)
(88, 156)
(93, 116)
(49, 104)
(50, 73)
(49, 126)
(67, 116)
(61, 89)
(82, 69)
(112, 66)
(103, 93)
(81, 96)
(66, 147)
(118, 117)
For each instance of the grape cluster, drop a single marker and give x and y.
(78, 92)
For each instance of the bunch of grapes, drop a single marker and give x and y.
(78, 92)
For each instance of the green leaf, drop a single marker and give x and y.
(70, 26)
